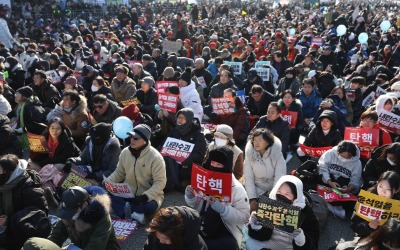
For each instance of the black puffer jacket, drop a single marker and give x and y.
(47, 94)
(9, 142)
(191, 238)
(317, 138)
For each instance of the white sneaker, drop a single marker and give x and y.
(337, 211)
(138, 217)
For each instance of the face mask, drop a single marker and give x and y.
(61, 73)
(7, 65)
(68, 110)
(384, 40)
(94, 88)
(25, 44)
(371, 58)
(221, 142)
(3, 178)
(341, 158)
(283, 199)
(391, 162)
(114, 60)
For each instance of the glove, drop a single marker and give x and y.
(218, 207)
(299, 237)
(18, 130)
(189, 192)
(254, 223)
(138, 200)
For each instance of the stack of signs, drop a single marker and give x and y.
(331, 195)
(53, 76)
(221, 106)
(122, 190)
(162, 85)
(77, 178)
(208, 183)
(123, 228)
(367, 139)
(130, 101)
(275, 214)
(290, 117)
(177, 149)
(37, 143)
(314, 152)
(237, 67)
(168, 102)
(389, 121)
(373, 207)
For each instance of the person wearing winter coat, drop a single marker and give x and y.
(253, 79)
(263, 164)
(187, 129)
(334, 103)
(9, 141)
(217, 91)
(188, 94)
(147, 96)
(221, 222)
(99, 86)
(325, 83)
(143, 168)
(356, 84)
(290, 81)
(122, 87)
(105, 110)
(175, 227)
(21, 193)
(16, 74)
(5, 106)
(201, 71)
(310, 99)
(341, 92)
(259, 100)
(149, 65)
(44, 90)
(85, 220)
(288, 189)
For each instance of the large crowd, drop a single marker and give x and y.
(255, 84)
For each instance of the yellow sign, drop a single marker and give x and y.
(374, 207)
(37, 143)
(130, 101)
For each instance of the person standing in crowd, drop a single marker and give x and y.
(179, 27)
(5, 36)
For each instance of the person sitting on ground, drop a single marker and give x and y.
(105, 110)
(122, 86)
(9, 141)
(259, 100)
(147, 96)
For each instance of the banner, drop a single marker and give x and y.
(221, 106)
(177, 149)
(217, 185)
(209, 126)
(318, 40)
(122, 190)
(77, 178)
(237, 67)
(263, 73)
(260, 64)
(53, 76)
(369, 99)
(130, 101)
(314, 152)
(168, 102)
(123, 228)
(290, 117)
(372, 207)
(37, 143)
(171, 46)
(331, 195)
(365, 138)
(276, 214)
(389, 121)
(162, 85)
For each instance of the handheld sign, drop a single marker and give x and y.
(260, 64)
(122, 190)
(276, 214)
(369, 99)
(202, 82)
(263, 73)
(380, 91)
(372, 207)
(389, 121)
(237, 67)
(177, 149)
(330, 195)
(130, 101)
(37, 143)
(162, 85)
(123, 228)
(242, 95)
(77, 178)
(171, 46)
(318, 40)
(290, 117)
(221, 106)
(314, 152)
(351, 94)
(368, 137)
(217, 185)
(53, 76)
(168, 102)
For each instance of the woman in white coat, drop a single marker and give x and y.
(263, 164)
(189, 96)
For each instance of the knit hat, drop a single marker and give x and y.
(100, 133)
(71, 80)
(25, 91)
(206, 49)
(225, 131)
(395, 86)
(186, 76)
(131, 111)
(222, 155)
(148, 80)
(141, 131)
(169, 72)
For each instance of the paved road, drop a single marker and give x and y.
(335, 229)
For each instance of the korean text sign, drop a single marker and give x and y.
(314, 152)
(237, 67)
(330, 196)
(215, 184)
(123, 228)
(374, 207)
(276, 214)
(76, 178)
(37, 143)
(162, 85)
(221, 106)
(389, 121)
(290, 117)
(168, 102)
(177, 149)
(362, 137)
(118, 189)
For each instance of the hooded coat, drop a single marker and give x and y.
(317, 137)
(47, 93)
(191, 238)
(190, 98)
(77, 120)
(340, 110)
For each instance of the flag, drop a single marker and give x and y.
(244, 13)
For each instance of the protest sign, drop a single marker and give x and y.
(374, 207)
(215, 184)
(221, 106)
(263, 73)
(123, 228)
(77, 178)
(168, 102)
(351, 94)
(290, 117)
(171, 46)
(380, 91)
(99, 34)
(122, 190)
(53, 76)
(97, 57)
(362, 137)
(318, 40)
(209, 126)
(202, 82)
(162, 85)
(37, 143)
(260, 64)
(331, 195)
(132, 62)
(314, 152)
(130, 101)
(242, 95)
(389, 121)
(275, 214)
(369, 99)
(177, 149)
(237, 67)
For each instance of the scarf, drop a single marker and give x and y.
(6, 194)
(184, 129)
(136, 152)
(52, 146)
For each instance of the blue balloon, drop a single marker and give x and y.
(121, 126)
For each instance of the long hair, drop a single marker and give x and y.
(394, 149)
(392, 178)
(388, 233)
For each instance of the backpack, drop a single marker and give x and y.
(319, 207)
(308, 174)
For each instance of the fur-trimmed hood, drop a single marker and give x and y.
(77, 110)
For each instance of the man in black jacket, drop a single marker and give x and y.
(259, 100)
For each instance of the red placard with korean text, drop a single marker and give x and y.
(97, 57)
(123, 228)
(168, 102)
(177, 149)
(389, 121)
(290, 117)
(362, 137)
(314, 152)
(162, 85)
(221, 106)
(330, 196)
(217, 185)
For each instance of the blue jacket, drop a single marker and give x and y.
(310, 103)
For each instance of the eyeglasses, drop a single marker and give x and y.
(133, 137)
